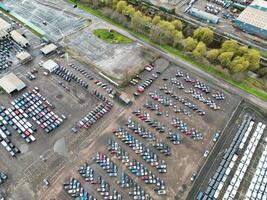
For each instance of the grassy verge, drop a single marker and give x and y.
(111, 36)
(256, 92)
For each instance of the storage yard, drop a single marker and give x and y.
(68, 132)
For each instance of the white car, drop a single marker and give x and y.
(206, 153)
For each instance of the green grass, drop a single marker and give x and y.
(111, 36)
(254, 91)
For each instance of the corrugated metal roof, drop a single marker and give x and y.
(255, 17)
(48, 48)
(50, 65)
(19, 38)
(11, 82)
(259, 4)
(204, 15)
(4, 25)
(23, 56)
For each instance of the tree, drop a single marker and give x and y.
(200, 50)
(204, 34)
(136, 20)
(177, 24)
(213, 54)
(262, 72)
(146, 23)
(225, 58)
(128, 11)
(156, 20)
(242, 50)
(189, 44)
(166, 30)
(114, 4)
(177, 38)
(230, 46)
(121, 6)
(253, 56)
(239, 64)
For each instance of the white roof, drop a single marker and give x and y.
(50, 65)
(19, 38)
(23, 56)
(254, 17)
(48, 48)
(11, 83)
(259, 3)
(4, 25)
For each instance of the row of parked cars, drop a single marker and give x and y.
(143, 86)
(178, 98)
(104, 188)
(184, 128)
(30, 76)
(210, 8)
(106, 87)
(136, 168)
(203, 89)
(6, 46)
(154, 123)
(68, 76)
(106, 164)
(136, 192)
(140, 130)
(17, 119)
(39, 109)
(82, 71)
(162, 147)
(5, 134)
(94, 115)
(75, 189)
(140, 149)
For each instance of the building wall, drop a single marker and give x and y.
(251, 29)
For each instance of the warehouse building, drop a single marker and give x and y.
(11, 83)
(24, 57)
(253, 19)
(204, 16)
(50, 66)
(48, 49)
(4, 25)
(17, 37)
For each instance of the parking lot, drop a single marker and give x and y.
(42, 147)
(67, 134)
(143, 147)
(75, 30)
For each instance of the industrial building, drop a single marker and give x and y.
(24, 57)
(15, 35)
(48, 49)
(50, 66)
(11, 83)
(3, 35)
(4, 25)
(204, 16)
(253, 19)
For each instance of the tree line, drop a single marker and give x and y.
(231, 55)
